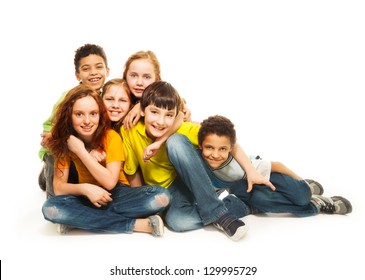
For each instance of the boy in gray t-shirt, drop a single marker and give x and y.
(217, 138)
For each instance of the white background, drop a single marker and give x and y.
(290, 74)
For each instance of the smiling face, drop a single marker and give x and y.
(140, 74)
(216, 149)
(158, 121)
(92, 71)
(117, 102)
(85, 117)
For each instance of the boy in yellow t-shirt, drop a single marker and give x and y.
(194, 201)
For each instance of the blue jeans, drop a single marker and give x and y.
(194, 202)
(118, 216)
(291, 196)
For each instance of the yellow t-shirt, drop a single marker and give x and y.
(159, 171)
(113, 146)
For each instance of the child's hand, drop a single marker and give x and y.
(187, 113)
(97, 195)
(75, 144)
(132, 117)
(46, 138)
(151, 150)
(257, 178)
(99, 156)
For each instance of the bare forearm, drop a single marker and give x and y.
(135, 180)
(241, 157)
(103, 175)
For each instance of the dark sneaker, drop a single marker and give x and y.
(332, 205)
(234, 228)
(157, 225)
(316, 188)
(42, 180)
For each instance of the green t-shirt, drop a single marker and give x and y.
(47, 125)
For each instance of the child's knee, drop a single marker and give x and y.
(162, 199)
(49, 212)
(182, 223)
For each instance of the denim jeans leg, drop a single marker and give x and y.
(76, 211)
(236, 206)
(191, 170)
(182, 213)
(116, 217)
(139, 202)
(291, 196)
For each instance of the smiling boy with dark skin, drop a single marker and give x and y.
(217, 138)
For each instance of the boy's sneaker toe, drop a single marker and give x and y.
(343, 206)
(233, 227)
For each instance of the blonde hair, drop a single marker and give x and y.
(121, 83)
(148, 55)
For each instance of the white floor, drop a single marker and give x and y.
(280, 247)
(290, 74)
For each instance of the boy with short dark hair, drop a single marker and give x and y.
(194, 201)
(217, 137)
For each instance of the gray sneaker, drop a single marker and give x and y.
(316, 188)
(63, 229)
(332, 205)
(157, 225)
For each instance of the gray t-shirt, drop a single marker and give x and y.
(231, 171)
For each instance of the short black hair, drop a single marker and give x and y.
(218, 125)
(87, 50)
(162, 95)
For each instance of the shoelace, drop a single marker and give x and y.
(327, 207)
